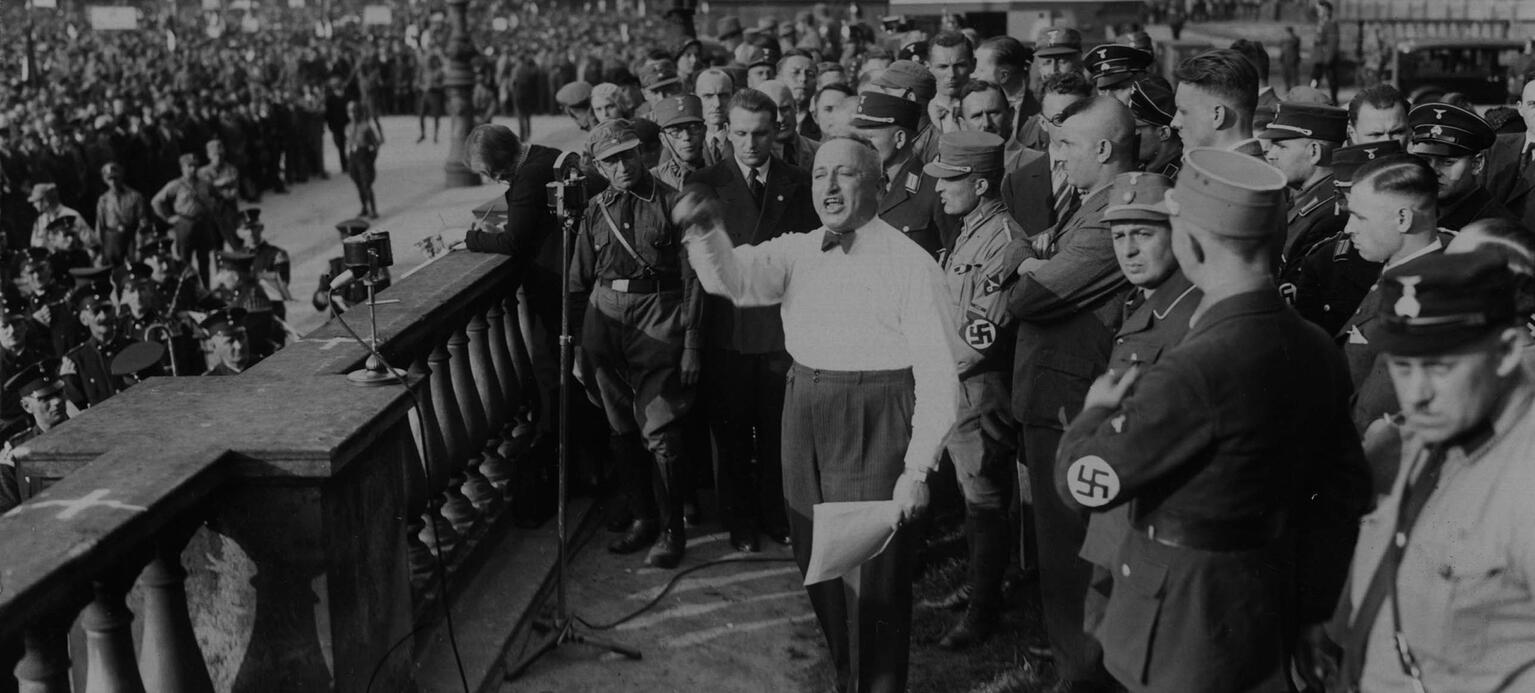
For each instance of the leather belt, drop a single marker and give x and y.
(642, 286)
(1242, 535)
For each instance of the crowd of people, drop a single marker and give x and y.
(1256, 370)
(1240, 383)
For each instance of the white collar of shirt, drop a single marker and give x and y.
(762, 171)
(1425, 250)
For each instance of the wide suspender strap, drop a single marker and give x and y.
(613, 226)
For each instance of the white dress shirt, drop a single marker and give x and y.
(878, 306)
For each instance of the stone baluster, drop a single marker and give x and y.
(170, 659)
(471, 368)
(502, 358)
(487, 380)
(456, 509)
(431, 530)
(519, 333)
(44, 665)
(110, 666)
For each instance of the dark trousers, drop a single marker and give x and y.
(1063, 575)
(744, 396)
(844, 439)
(338, 138)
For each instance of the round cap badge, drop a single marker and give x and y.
(1092, 482)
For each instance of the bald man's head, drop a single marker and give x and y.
(1095, 141)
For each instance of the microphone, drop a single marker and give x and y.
(343, 280)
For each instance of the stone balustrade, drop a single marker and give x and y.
(281, 529)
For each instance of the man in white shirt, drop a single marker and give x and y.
(871, 394)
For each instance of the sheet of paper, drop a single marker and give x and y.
(846, 535)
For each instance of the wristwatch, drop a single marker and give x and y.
(919, 475)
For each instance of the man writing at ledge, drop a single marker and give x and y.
(872, 391)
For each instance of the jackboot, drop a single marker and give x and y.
(641, 533)
(989, 547)
(669, 484)
(631, 476)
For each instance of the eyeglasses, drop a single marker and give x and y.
(682, 132)
(1056, 119)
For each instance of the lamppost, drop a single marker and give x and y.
(458, 80)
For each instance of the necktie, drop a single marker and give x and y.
(754, 185)
(833, 239)
(789, 154)
(715, 151)
(1528, 156)
(1383, 584)
(1067, 202)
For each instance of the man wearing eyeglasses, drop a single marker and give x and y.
(682, 134)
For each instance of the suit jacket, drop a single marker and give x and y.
(1510, 177)
(787, 208)
(1026, 190)
(1066, 312)
(912, 206)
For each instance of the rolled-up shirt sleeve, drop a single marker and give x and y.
(926, 325)
(748, 275)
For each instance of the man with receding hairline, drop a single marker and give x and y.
(1243, 481)
(870, 397)
(1067, 306)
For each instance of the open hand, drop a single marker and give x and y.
(912, 495)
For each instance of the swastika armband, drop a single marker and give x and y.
(1092, 481)
(980, 334)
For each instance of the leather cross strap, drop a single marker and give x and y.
(612, 226)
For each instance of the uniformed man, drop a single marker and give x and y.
(641, 332)
(1158, 314)
(1153, 105)
(42, 397)
(761, 61)
(1068, 305)
(186, 203)
(142, 316)
(984, 439)
(745, 362)
(1455, 141)
(659, 80)
(238, 287)
(1300, 142)
(1239, 523)
(20, 348)
(1333, 278)
(228, 342)
(910, 201)
(912, 81)
(575, 99)
(1391, 220)
(1439, 596)
(682, 134)
(47, 302)
(270, 264)
(87, 369)
(179, 284)
(1217, 94)
(1116, 67)
(1058, 51)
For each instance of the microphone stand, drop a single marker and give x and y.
(373, 372)
(564, 628)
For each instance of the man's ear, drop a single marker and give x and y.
(1478, 162)
(1103, 151)
(900, 139)
(1404, 217)
(1220, 116)
(982, 186)
(1164, 133)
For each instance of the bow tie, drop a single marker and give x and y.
(834, 239)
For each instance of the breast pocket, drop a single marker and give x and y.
(1479, 588)
(1134, 353)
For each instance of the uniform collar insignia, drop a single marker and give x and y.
(1408, 306)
